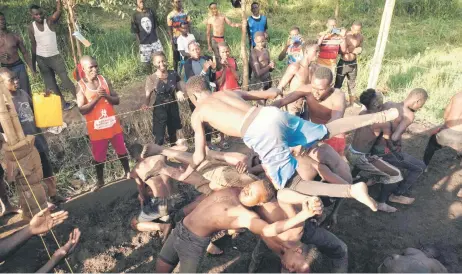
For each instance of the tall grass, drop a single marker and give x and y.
(422, 51)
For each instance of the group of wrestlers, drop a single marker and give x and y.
(297, 161)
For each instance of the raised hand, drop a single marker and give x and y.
(43, 221)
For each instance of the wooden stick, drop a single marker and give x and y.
(381, 44)
(245, 59)
(71, 37)
(14, 117)
(72, 18)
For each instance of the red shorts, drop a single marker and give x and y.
(338, 143)
(99, 147)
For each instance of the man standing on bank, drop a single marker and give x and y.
(44, 47)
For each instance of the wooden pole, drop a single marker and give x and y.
(70, 5)
(337, 9)
(71, 38)
(380, 47)
(5, 119)
(245, 59)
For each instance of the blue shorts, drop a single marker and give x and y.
(272, 133)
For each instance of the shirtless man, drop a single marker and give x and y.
(224, 209)
(412, 260)
(261, 64)
(448, 135)
(10, 46)
(300, 74)
(324, 104)
(216, 22)
(347, 66)
(291, 240)
(393, 155)
(270, 132)
(373, 168)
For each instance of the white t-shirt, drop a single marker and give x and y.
(184, 41)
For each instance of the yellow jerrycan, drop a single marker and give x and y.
(48, 110)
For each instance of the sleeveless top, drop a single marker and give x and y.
(47, 44)
(329, 49)
(101, 121)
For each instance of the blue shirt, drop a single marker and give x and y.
(256, 25)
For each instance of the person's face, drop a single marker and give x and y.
(260, 42)
(140, 4)
(376, 103)
(356, 29)
(195, 51)
(255, 10)
(418, 104)
(294, 33)
(213, 9)
(224, 53)
(91, 69)
(2, 22)
(320, 88)
(11, 81)
(312, 52)
(252, 194)
(160, 63)
(177, 4)
(184, 30)
(294, 261)
(37, 15)
(331, 24)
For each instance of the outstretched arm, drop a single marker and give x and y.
(292, 97)
(200, 145)
(260, 95)
(258, 226)
(41, 223)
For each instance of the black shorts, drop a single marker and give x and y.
(46, 165)
(156, 208)
(185, 247)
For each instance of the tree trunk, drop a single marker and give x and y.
(337, 9)
(382, 39)
(245, 59)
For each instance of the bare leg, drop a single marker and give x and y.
(357, 191)
(151, 227)
(326, 155)
(348, 124)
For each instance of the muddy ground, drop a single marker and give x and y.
(108, 245)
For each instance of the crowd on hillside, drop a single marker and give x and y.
(298, 160)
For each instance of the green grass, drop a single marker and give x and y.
(423, 50)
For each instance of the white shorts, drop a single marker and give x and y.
(147, 50)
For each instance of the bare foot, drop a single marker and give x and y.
(165, 230)
(180, 148)
(133, 223)
(459, 194)
(11, 210)
(401, 199)
(151, 150)
(391, 114)
(182, 143)
(386, 208)
(359, 192)
(214, 250)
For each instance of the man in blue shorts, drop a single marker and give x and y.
(271, 133)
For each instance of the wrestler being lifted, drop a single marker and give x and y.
(271, 132)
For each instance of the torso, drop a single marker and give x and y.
(320, 112)
(164, 86)
(223, 106)
(9, 46)
(177, 17)
(454, 119)
(352, 41)
(46, 40)
(218, 25)
(365, 137)
(159, 184)
(263, 58)
(221, 209)
(303, 76)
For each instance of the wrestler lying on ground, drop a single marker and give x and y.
(224, 209)
(162, 203)
(270, 132)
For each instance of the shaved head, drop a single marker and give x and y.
(86, 59)
(6, 74)
(9, 79)
(89, 66)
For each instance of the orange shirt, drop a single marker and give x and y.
(101, 121)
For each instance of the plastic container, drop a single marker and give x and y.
(48, 110)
